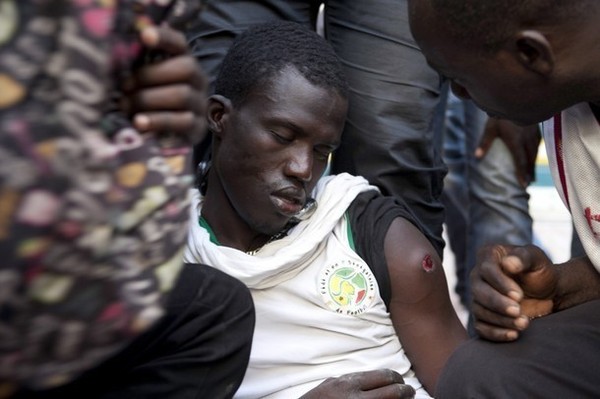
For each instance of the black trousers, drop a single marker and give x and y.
(390, 136)
(200, 349)
(556, 357)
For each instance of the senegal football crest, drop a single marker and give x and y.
(347, 286)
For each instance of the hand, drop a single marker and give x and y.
(510, 285)
(169, 96)
(382, 384)
(522, 142)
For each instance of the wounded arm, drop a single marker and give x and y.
(420, 307)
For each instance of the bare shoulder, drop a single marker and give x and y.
(413, 264)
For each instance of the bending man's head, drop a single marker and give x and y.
(523, 60)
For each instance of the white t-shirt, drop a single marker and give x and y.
(573, 146)
(319, 312)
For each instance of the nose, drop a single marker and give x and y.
(460, 91)
(300, 164)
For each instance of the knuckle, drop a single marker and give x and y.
(161, 121)
(185, 92)
(189, 66)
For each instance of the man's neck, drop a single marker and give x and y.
(228, 228)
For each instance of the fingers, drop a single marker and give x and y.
(495, 326)
(368, 380)
(495, 268)
(496, 295)
(173, 97)
(384, 383)
(171, 70)
(493, 299)
(173, 108)
(186, 123)
(393, 391)
(375, 384)
(495, 333)
(510, 284)
(183, 121)
(185, 12)
(165, 39)
(167, 94)
(525, 259)
(176, 85)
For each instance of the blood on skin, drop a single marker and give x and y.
(427, 264)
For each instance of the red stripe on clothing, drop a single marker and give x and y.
(558, 146)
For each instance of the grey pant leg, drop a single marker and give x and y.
(556, 357)
(492, 206)
(389, 136)
(211, 35)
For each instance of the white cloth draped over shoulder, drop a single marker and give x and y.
(319, 313)
(278, 260)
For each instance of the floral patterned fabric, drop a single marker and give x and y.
(93, 215)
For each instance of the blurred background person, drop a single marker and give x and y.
(99, 107)
(485, 190)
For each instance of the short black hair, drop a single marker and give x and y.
(492, 21)
(264, 50)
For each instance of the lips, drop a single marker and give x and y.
(289, 201)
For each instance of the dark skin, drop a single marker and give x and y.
(168, 96)
(276, 145)
(421, 311)
(522, 142)
(268, 155)
(512, 285)
(376, 384)
(539, 71)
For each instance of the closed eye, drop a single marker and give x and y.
(281, 138)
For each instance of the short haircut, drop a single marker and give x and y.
(492, 21)
(265, 50)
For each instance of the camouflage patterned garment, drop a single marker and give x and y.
(93, 216)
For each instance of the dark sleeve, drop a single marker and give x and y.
(370, 216)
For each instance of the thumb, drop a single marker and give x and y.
(533, 269)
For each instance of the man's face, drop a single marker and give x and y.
(497, 83)
(274, 147)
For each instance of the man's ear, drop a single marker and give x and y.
(534, 52)
(218, 110)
